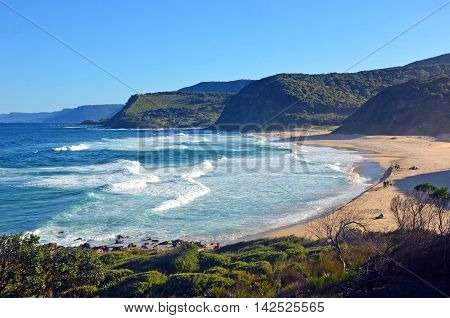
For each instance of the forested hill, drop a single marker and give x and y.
(441, 59)
(290, 100)
(216, 87)
(170, 110)
(412, 108)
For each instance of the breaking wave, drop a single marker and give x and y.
(199, 190)
(71, 148)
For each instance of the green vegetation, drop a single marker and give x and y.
(28, 269)
(295, 100)
(216, 87)
(279, 102)
(418, 107)
(170, 110)
(345, 261)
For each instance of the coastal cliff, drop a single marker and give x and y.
(170, 110)
(412, 108)
(293, 100)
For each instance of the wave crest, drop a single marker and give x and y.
(79, 147)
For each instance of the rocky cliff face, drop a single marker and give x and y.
(412, 108)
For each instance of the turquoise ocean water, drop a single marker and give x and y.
(69, 182)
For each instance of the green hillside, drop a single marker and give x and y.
(412, 108)
(441, 59)
(170, 110)
(217, 87)
(292, 100)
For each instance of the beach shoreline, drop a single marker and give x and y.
(430, 155)
(427, 153)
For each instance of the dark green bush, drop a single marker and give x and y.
(196, 284)
(114, 276)
(113, 257)
(68, 268)
(82, 292)
(208, 260)
(182, 259)
(186, 260)
(260, 267)
(242, 276)
(217, 270)
(296, 253)
(269, 256)
(21, 266)
(137, 285)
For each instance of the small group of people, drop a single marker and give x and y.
(387, 183)
(396, 166)
(414, 168)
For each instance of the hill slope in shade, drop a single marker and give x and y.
(412, 108)
(65, 116)
(441, 59)
(293, 100)
(216, 87)
(170, 110)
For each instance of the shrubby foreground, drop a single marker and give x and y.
(345, 261)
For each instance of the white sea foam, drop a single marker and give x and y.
(198, 190)
(293, 155)
(200, 170)
(117, 176)
(335, 167)
(131, 185)
(155, 143)
(185, 198)
(71, 148)
(199, 140)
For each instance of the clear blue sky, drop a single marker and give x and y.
(165, 45)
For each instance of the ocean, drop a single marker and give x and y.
(76, 184)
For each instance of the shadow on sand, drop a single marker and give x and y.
(440, 179)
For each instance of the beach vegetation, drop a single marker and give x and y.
(346, 260)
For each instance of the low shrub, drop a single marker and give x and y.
(137, 285)
(114, 276)
(82, 292)
(208, 260)
(260, 267)
(269, 256)
(186, 259)
(182, 259)
(217, 270)
(196, 284)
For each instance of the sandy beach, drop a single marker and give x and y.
(430, 155)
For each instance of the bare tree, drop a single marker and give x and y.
(425, 210)
(442, 224)
(333, 229)
(412, 212)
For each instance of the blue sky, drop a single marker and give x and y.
(165, 45)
